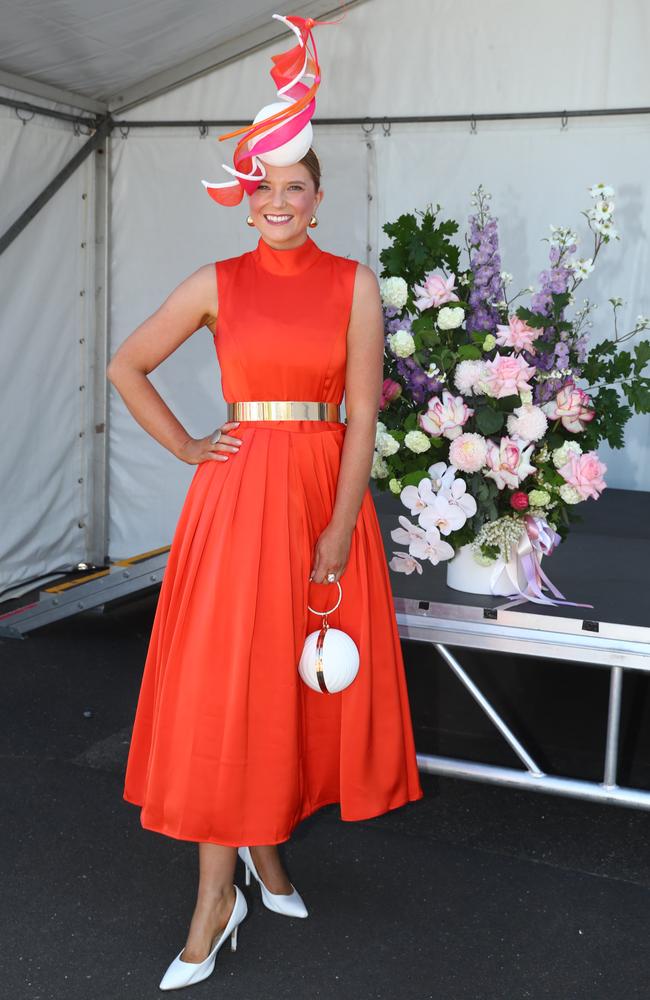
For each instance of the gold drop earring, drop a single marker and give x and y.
(249, 221)
(313, 222)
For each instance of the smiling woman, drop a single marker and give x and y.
(230, 748)
(286, 202)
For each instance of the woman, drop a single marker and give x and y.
(230, 748)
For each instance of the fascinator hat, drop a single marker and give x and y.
(281, 133)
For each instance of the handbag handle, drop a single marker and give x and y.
(331, 609)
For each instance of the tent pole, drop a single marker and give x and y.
(97, 529)
(48, 192)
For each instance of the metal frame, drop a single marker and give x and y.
(597, 644)
(262, 32)
(15, 81)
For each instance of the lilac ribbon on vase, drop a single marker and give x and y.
(537, 539)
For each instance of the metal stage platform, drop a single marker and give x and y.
(604, 562)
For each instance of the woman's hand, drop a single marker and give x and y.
(196, 450)
(331, 553)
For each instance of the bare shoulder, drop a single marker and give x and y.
(365, 282)
(197, 295)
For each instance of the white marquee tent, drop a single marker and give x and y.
(81, 481)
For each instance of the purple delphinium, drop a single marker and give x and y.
(419, 385)
(556, 279)
(485, 264)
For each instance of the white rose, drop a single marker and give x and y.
(561, 455)
(401, 343)
(417, 441)
(394, 292)
(387, 445)
(450, 319)
(379, 468)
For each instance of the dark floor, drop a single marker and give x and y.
(474, 892)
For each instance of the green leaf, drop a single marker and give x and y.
(489, 421)
(413, 478)
(641, 356)
(468, 352)
(638, 394)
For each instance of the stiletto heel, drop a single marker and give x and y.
(290, 904)
(181, 973)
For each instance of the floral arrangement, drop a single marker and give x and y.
(491, 414)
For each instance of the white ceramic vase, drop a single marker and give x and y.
(464, 573)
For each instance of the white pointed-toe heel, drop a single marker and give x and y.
(182, 973)
(290, 904)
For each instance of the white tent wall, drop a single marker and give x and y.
(433, 58)
(45, 341)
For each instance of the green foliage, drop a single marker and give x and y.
(489, 420)
(419, 246)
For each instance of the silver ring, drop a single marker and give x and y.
(215, 437)
(331, 577)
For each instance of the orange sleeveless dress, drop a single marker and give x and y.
(229, 745)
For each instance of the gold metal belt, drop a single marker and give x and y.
(282, 409)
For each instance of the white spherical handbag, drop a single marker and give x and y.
(330, 659)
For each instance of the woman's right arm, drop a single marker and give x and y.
(191, 305)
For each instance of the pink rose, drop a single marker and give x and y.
(507, 463)
(390, 390)
(517, 335)
(507, 375)
(585, 473)
(445, 417)
(435, 291)
(573, 406)
(519, 500)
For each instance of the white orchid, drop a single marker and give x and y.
(443, 515)
(442, 475)
(422, 544)
(458, 496)
(417, 497)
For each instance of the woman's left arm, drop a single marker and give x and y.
(363, 382)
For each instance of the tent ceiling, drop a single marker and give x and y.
(106, 50)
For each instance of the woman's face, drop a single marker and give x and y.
(283, 204)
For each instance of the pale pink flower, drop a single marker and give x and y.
(507, 375)
(445, 417)
(517, 335)
(528, 422)
(435, 291)
(422, 544)
(443, 515)
(468, 452)
(507, 463)
(585, 473)
(390, 390)
(402, 562)
(573, 406)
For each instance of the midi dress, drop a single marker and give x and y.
(229, 745)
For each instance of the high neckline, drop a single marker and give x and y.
(293, 260)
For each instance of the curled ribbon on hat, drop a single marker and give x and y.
(537, 539)
(281, 133)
